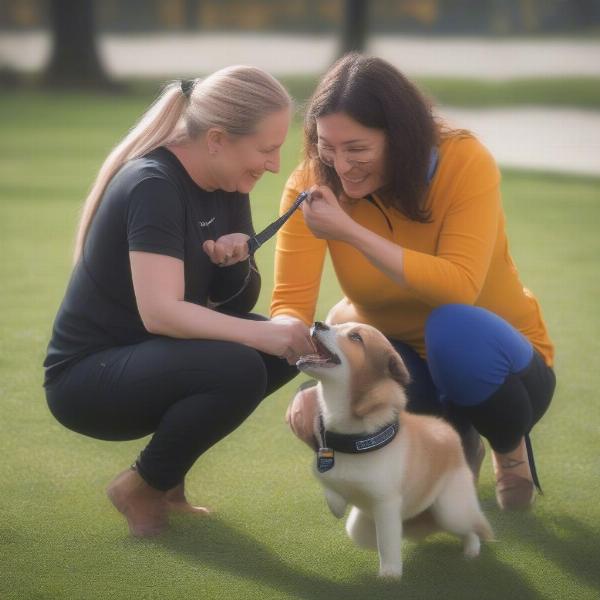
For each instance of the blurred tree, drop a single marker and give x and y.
(355, 26)
(192, 14)
(585, 12)
(74, 61)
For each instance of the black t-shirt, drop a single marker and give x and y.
(150, 205)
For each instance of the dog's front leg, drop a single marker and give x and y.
(337, 504)
(388, 525)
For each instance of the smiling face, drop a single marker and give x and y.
(242, 160)
(357, 153)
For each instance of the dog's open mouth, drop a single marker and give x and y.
(322, 358)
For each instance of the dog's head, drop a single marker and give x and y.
(360, 360)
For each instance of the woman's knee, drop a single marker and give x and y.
(192, 366)
(446, 332)
(223, 398)
(471, 351)
(444, 325)
(246, 373)
(475, 329)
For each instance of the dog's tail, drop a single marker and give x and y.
(483, 529)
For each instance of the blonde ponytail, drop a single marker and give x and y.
(234, 99)
(151, 131)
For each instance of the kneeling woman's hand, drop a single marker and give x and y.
(228, 249)
(302, 414)
(325, 217)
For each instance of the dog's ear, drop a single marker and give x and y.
(397, 369)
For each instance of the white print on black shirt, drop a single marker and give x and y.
(206, 223)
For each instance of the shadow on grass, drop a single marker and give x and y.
(431, 568)
(437, 568)
(570, 544)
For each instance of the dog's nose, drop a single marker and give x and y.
(320, 326)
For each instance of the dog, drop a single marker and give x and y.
(388, 464)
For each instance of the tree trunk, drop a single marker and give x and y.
(74, 61)
(355, 26)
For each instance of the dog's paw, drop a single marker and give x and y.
(471, 545)
(337, 504)
(390, 571)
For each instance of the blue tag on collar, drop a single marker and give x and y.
(325, 459)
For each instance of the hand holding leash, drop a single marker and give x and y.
(254, 243)
(228, 249)
(235, 247)
(324, 215)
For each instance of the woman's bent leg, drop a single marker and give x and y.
(189, 393)
(489, 373)
(424, 398)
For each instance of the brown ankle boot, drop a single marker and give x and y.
(514, 492)
(144, 507)
(515, 489)
(176, 501)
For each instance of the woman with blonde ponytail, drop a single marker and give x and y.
(153, 130)
(155, 334)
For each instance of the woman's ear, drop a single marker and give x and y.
(215, 138)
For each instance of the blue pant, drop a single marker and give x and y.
(480, 371)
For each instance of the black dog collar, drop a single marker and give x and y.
(358, 443)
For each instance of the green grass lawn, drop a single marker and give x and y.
(271, 535)
(567, 92)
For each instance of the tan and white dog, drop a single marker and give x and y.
(389, 465)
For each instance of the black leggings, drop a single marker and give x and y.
(189, 393)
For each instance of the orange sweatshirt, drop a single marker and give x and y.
(461, 256)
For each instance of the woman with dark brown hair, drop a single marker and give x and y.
(411, 214)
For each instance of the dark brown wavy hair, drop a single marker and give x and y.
(375, 94)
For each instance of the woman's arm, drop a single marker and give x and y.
(299, 259)
(158, 283)
(457, 272)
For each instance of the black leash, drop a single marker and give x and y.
(255, 242)
(531, 461)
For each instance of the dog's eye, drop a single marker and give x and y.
(355, 337)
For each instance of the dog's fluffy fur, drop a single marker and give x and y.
(422, 470)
